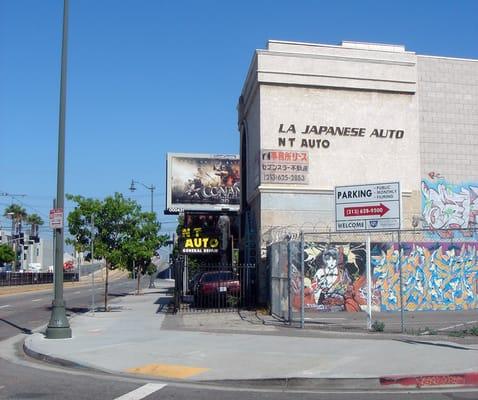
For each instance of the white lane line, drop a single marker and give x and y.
(77, 293)
(324, 319)
(5, 306)
(37, 299)
(142, 392)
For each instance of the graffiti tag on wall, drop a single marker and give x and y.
(440, 276)
(435, 276)
(446, 206)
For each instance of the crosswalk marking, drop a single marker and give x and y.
(5, 306)
(142, 392)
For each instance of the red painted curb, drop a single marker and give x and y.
(468, 378)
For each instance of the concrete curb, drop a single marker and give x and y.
(439, 380)
(54, 360)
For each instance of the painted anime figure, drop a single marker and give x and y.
(332, 285)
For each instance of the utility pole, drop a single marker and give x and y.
(59, 327)
(91, 260)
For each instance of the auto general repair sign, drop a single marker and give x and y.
(367, 207)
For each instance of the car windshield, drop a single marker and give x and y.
(218, 276)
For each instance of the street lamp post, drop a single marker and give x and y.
(150, 188)
(59, 327)
(132, 188)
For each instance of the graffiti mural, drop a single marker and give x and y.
(439, 276)
(435, 276)
(334, 277)
(446, 206)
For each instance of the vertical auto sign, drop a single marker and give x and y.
(367, 207)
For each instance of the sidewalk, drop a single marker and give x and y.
(137, 338)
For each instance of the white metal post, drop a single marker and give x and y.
(302, 281)
(369, 285)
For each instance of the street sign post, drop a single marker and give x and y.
(367, 207)
(56, 218)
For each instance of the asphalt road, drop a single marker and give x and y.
(23, 312)
(24, 378)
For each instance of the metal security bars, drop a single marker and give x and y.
(213, 288)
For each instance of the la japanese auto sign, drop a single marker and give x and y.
(367, 207)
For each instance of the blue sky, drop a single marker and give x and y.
(147, 77)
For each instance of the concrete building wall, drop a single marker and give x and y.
(448, 110)
(364, 114)
(294, 89)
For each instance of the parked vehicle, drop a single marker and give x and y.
(215, 286)
(68, 265)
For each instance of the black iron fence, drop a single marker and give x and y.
(32, 278)
(214, 287)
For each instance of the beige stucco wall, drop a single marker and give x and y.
(292, 85)
(347, 160)
(448, 110)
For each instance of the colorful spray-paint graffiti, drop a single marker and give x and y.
(446, 206)
(440, 276)
(435, 276)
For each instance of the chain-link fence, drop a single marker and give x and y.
(418, 281)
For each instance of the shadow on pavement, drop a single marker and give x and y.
(165, 305)
(24, 330)
(409, 341)
(123, 294)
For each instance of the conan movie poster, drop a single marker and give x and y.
(203, 182)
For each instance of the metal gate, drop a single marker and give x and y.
(213, 288)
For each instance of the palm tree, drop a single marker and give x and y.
(18, 214)
(35, 221)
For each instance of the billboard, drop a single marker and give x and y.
(202, 182)
(208, 233)
(200, 234)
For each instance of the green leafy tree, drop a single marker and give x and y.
(142, 243)
(7, 255)
(122, 236)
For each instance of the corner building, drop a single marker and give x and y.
(364, 113)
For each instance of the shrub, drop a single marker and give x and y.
(378, 326)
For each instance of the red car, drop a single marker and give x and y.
(68, 265)
(215, 284)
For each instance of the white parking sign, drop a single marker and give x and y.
(367, 207)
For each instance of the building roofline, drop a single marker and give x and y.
(448, 58)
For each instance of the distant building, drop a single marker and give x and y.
(36, 254)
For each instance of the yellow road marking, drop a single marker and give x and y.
(168, 370)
